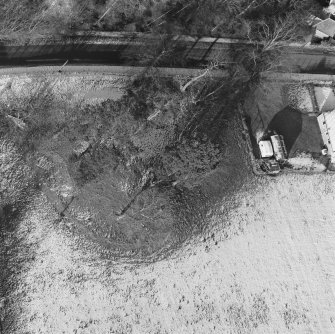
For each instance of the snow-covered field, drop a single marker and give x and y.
(71, 85)
(267, 267)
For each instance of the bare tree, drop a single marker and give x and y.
(193, 80)
(213, 69)
(280, 30)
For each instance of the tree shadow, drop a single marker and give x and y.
(3, 53)
(321, 68)
(253, 140)
(74, 48)
(288, 123)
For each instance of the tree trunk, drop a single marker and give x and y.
(127, 207)
(147, 185)
(183, 88)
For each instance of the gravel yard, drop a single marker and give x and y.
(288, 109)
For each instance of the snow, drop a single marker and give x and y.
(73, 86)
(299, 98)
(269, 268)
(304, 161)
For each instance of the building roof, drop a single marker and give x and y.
(325, 98)
(331, 8)
(327, 126)
(327, 27)
(265, 148)
(312, 20)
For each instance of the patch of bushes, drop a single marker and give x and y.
(40, 117)
(17, 179)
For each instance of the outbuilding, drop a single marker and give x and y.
(325, 29)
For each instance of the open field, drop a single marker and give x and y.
(265, 266)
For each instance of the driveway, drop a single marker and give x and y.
(278, 106)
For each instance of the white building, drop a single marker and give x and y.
(331, 7)
(326, 122)
(313, 20)
(325, 28)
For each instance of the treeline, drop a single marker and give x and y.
(254, 19)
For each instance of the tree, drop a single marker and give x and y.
(193, 80)
(22, 19)
(16, 177)
(190, 161)
(273, 34)
(147, 128)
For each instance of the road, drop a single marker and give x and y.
(140, 49)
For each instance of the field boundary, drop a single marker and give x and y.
(319, 79)
(252, 159)
(306, 77)
(117, 70)
(110, 35)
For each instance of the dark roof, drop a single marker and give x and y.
(327, 27)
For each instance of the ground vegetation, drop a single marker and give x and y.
(133, 161)
(151, 138)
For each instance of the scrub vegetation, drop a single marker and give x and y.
(133, 161)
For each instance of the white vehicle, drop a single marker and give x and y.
(279, 147)
(266, 149)
(273, 147)
(272, 150)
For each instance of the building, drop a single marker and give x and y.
(325, 29)
(313, 20)
(325, 98)
(326, 122)
(331, 8)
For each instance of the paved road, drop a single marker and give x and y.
(139, 50)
